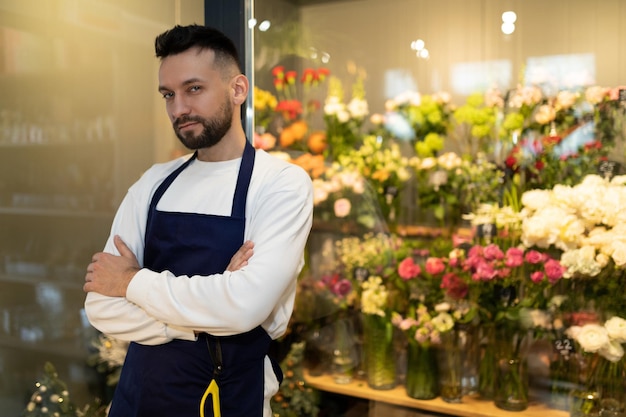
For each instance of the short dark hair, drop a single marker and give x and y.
(181, 38)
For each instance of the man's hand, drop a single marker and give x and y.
(109, 274)
(240, 259)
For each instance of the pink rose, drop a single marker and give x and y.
(537, 277)
(408, 269)
(493, 252)
(504, 272)
(514, 257)
(342, 287)
(435, 266)
(486, 272)
(533, 257)
(554, 270)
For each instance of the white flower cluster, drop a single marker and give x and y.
(587, 222)
(338, 181)
(606, 340)
(374, 296)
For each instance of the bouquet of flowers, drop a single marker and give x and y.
(478, 121)
(287, 115)
(344, 121)
(383, 166)
(449, 186)
(423, 119)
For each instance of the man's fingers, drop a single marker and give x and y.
(122, 248)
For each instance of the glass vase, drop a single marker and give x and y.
(610, 379)
(450, 365)
(344, 359)
(511, 377)
(378, 343)
(422, 381)
(487, 361)
(470, 358)
(563, 371)
(585, 399)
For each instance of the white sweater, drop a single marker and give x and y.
(160, 307)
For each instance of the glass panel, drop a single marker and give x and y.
(80, 120)
(487, 101)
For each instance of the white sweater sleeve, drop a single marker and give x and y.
(279, 217)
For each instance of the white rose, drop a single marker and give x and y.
(536, 199)
(616, 329)
(613, 351)
(593, 337)
(619, 252)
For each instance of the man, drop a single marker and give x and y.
(178, 276)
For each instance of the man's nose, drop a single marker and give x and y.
(178, 107)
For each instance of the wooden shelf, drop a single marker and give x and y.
(470, 407)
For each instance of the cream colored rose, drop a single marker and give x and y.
(427, 163)
(613, 351)
(536, 199)
(619, 252)
(595, 94)
(545, 114)
(593, 337)
(616, 329)
(565, 99)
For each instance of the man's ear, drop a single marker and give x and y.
(240, 86)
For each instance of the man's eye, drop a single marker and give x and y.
(194, 88)
(167, 95)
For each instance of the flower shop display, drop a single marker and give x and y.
(518, 298)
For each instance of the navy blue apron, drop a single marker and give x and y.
(169, 380)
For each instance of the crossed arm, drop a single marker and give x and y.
(109, 274)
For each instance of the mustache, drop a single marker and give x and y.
(186, 119)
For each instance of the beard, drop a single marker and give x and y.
(213, 129)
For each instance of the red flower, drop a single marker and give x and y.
(308, 76)
(511, 162)
(434, 266)
(290, 108)
(322, 73)
(456, 288)
(278, 71)
(408, 269)
(290, 77)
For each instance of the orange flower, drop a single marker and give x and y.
(299, 129)
(317, 142)
(313, 164)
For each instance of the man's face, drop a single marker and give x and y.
(198, 99)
